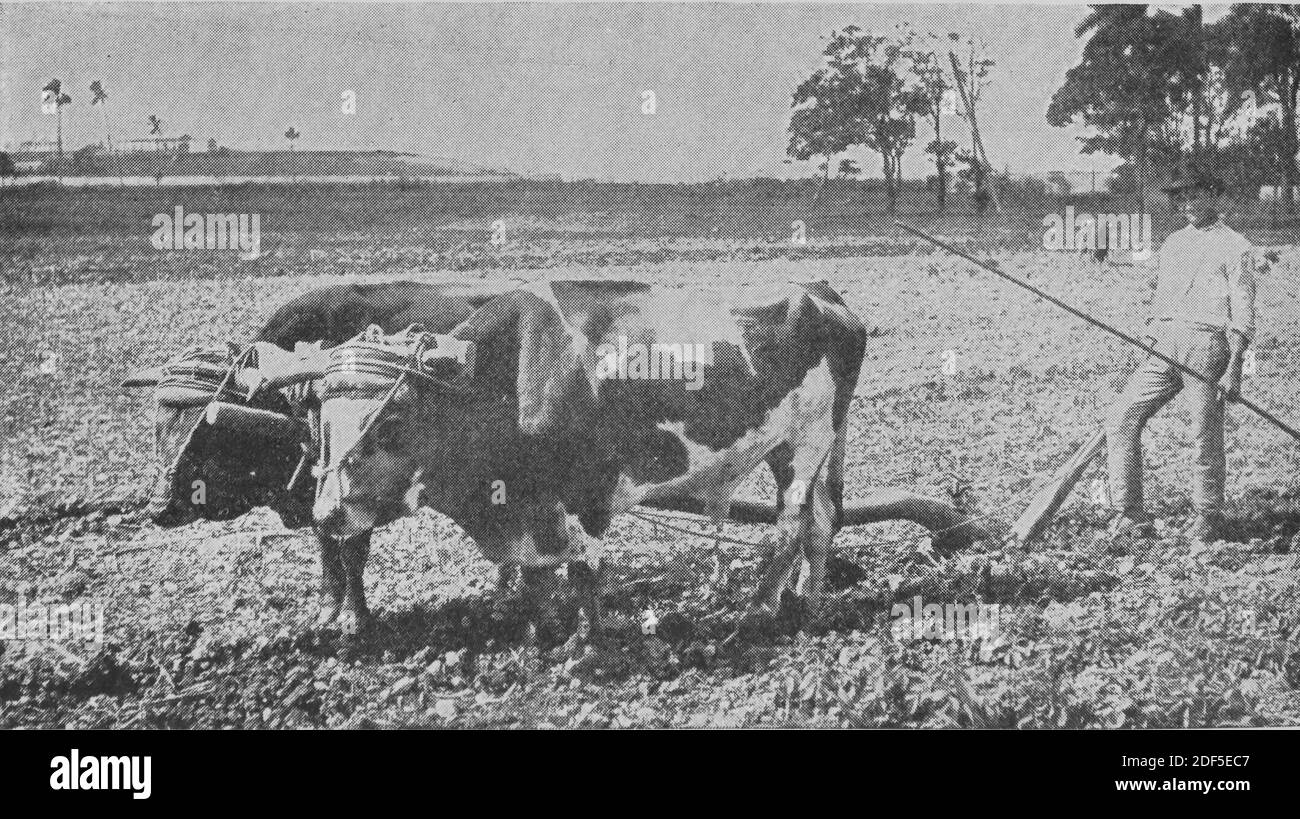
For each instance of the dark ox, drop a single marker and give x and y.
(537, 446)
(221, 471)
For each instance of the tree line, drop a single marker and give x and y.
(1162, 90)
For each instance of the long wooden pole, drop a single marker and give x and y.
(994, 269)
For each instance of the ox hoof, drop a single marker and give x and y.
(352, 624)
(329, 612)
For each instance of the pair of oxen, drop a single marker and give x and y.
(521, 415)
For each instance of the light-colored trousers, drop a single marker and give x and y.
(1202, 350)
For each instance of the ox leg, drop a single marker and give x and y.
(823, 516)
(819, 516)
(796, 530)
(506, 575)
(332, 580)
(355, 615)
(537, 588)
(588, 580)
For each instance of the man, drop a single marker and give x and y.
(1203, 316)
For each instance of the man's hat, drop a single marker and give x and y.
(1185, 180)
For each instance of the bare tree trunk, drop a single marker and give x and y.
(1288, 99)
(1142, 168)
(940, 164)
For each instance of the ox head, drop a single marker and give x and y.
(381, 397)
(221, 447)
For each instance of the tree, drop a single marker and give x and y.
(858, 97)
(1060, 183)
(52, 94)
(1262, 60)
(818, 125)
(291, 135)
(971, 79)
(1123, 84)
(99, 97)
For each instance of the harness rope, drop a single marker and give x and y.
(399, 357)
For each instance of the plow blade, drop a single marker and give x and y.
(1051, 496)
(950, 528)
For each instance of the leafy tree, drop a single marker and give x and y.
(1262, 60)
(1121, 85)
(1161, 89)
(858, 97)
(819, 125)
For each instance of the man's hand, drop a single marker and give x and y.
(1230, 383)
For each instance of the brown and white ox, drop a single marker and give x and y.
(556, 407)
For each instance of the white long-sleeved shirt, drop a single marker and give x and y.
(1207, 276)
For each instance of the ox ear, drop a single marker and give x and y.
(551, 384)
(148, 377)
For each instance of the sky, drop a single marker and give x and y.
(533, 88)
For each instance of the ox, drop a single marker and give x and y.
(556, 407)
(218, 470)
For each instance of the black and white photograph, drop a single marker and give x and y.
(650, 366)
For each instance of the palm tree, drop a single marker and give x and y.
(292, 134)
(53, 92)
(99, 98)
(97, 89)
(155, 130)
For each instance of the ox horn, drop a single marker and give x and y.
(278, 368)
(148, 377)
